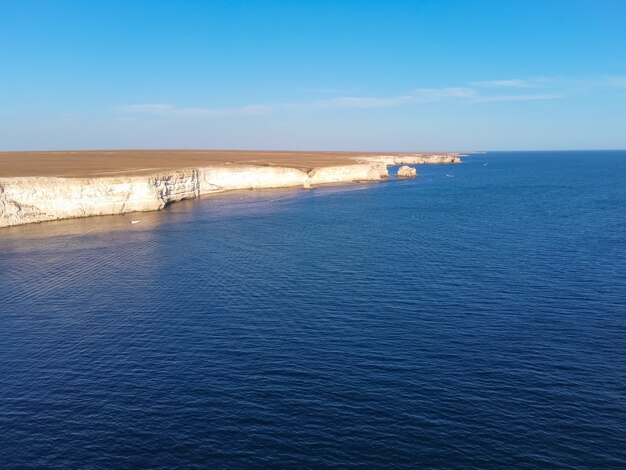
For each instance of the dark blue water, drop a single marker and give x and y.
(470, 320)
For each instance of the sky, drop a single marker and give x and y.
(320, 75)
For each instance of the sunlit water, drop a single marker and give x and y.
(473, 317)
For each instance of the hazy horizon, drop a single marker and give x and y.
(356, 150)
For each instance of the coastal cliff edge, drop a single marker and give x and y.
(29, 199)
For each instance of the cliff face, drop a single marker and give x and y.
(25, 200)
(415, 159)
(343, 173)
(36, 199)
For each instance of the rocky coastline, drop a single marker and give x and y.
(31, 199)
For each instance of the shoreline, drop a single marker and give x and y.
(36, 198)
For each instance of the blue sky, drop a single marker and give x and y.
(353, 75)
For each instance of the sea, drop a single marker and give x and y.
(473, 317)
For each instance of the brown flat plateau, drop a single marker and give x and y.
(90, 163)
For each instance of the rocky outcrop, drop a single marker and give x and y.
(407, 172)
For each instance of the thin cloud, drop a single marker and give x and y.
(486, 91)
(539, 82)
(614, 82)
(325, 91)
(420, 96)
(560, 83)
(167, 110)
(528, 97)
(351, 102)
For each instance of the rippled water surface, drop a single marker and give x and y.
(473, 317)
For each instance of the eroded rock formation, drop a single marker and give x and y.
(407, 172)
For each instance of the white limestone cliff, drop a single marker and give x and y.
(26, 200)
(348, 173)
(414, 159)
(36, 199)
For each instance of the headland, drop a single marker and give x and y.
(52, 185)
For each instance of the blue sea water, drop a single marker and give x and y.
(471, 318)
